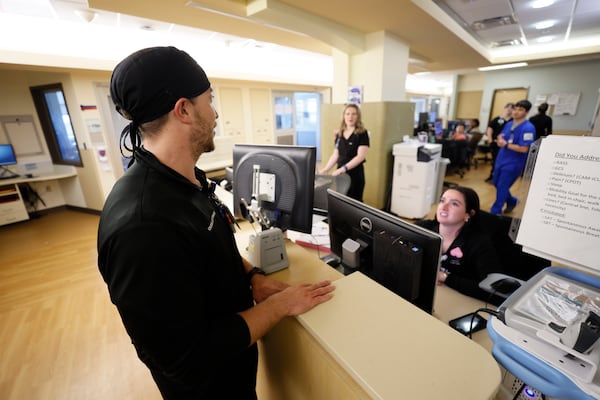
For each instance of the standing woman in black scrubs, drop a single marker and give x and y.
(351, 147)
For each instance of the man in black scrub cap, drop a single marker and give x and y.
(193, 307)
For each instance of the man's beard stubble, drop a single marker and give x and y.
(202, 138)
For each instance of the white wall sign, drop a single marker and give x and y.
(561, 220)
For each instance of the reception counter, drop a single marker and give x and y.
(367, 343)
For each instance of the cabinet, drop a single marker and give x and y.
(262, 116)
(12, 208)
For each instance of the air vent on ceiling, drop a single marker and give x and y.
(509, 42)
(495, 22)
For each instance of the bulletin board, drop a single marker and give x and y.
(19, 130)
(559, 103)
(561, 219)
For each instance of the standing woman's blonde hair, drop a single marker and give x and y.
(359, 128)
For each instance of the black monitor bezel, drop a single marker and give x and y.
(348, 211)
(302, 159)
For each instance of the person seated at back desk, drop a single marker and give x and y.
(468, 255)
(459, 132)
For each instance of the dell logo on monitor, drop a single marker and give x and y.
(366, 224)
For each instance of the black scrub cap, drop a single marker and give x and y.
(147, 84)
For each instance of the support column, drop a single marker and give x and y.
(381, 69)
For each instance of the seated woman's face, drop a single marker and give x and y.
(452, 209)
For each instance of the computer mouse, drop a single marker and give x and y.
(331, 260)
(506, 285)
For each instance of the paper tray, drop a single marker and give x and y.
(522, 346)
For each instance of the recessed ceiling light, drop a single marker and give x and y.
(544, 25)
(542, 3)
(503, 66)
(86, 15)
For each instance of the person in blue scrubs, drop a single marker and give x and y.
(514, 141)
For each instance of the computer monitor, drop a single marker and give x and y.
(438, 127)
(7, 155)
(401, 256)
(423, 118)
(287, 175)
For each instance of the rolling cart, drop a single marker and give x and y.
(546, 332)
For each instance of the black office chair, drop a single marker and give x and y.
(340, 184)
(517, 266)
(486, 153)
(472, 149)
(456, 151)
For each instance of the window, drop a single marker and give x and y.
(56, 124)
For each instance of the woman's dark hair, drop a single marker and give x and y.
(471, 198)
(472, 205)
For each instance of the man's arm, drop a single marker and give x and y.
(294, 300)
(262, 286)
(489, 132)
(511, 146)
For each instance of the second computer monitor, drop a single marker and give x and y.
(401, 256)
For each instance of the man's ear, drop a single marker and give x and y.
(181, 110)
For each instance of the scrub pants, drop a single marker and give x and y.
(503, 179)
(357, 183)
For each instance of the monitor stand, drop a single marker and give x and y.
(4, 170)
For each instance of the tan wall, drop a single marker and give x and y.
(468, 104)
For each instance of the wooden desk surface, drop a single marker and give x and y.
(378, 345)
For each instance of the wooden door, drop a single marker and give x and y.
(231, 118)
(504, 96)
(262, 116)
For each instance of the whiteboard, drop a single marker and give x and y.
(561, 220)
(563, 103)
(21, 133)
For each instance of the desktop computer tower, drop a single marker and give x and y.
(397, 265)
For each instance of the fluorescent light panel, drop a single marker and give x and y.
(503, 66)
(542, 3)
(544, 25)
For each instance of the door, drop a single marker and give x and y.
(504, 96)
(114, 123)
(262, 115)
(308, 121)
(285, 131)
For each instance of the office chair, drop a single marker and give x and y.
(456, 152)
(517, 266)
(340, 183)
(472, 149)
(486, 152)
